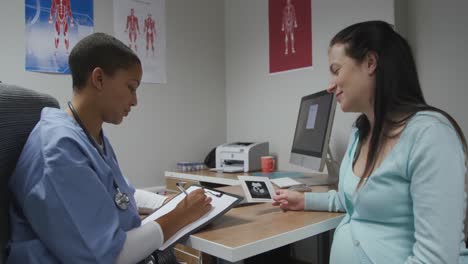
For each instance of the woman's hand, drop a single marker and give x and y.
(289, 200)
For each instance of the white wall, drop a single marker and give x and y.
(401, 17)
(180, 120)
(217, 61)
(437, 32)
(263, 107)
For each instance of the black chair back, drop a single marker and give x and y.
(20, 109)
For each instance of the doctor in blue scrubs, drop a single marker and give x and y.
(72, 204)
(402, 178)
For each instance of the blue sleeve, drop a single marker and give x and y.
(332, 200)
(327, 201)
(437, 170)
(71, 212)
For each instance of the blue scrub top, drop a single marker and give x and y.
(64, 207)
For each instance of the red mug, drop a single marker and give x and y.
(268, 164)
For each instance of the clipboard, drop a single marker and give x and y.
(221, 203)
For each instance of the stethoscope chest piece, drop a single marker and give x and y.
(121, 200)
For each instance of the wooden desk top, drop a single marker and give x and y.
(207, 176)
(231, 178)
(250, 230)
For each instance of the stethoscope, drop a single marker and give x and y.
(121, 199)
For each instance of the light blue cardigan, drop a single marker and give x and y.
(412, 207)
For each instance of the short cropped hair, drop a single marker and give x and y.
(99, 50)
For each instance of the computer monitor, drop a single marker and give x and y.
(313, 129)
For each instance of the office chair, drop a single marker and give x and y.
(20, 110)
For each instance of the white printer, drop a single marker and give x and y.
(240, 156)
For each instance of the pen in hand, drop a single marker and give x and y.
(180, 186)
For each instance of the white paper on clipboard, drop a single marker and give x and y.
(220, 205)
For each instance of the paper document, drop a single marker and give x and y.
(221, 203)
(285, 182)
(148, 199)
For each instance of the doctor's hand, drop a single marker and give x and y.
(289, 200)
(192, 207)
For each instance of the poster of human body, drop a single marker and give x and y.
(53, 27)
(141, 24)
(290, 34)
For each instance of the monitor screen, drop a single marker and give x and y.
(313, 130)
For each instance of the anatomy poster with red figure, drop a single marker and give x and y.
(141, 24)
(290, 28)
(53, 27)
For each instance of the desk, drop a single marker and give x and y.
(219, 178)
(250, 230)
(201, 176)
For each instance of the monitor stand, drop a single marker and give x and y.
(333, 168)
(318, 178)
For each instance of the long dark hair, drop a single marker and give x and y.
(398, 95)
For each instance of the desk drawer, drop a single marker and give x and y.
(171, 183)
(187, 254)
(192, 256)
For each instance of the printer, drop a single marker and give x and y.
(240, 156)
